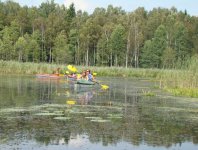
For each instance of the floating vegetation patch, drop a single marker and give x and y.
(44, 111)
(62, 118)
(51, 109)
(55, 105)
(172, 109)
(189, 92)
(148, 93)
(94, 118)
(12, 110)
(16, 117)
(48, 114)
(58, 112)
(105, 107)
(36, 107)
(3, 140)
(79, 112)
(115, 116)
(100, 120)
(194, 118)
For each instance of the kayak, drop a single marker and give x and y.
(42, 75)
(48, 76)
(71, 78)
(84, 85)
(85, 82)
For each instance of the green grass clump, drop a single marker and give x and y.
(189, 92)
(28, 68)
(148, 93)
(183, 82)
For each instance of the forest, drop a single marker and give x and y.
(53, 33)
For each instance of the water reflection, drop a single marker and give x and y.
(132, 118)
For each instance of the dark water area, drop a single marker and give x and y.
(35, 114)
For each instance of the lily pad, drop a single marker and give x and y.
(16, 117)
(3, 140)
(79, 112)
(62, 118)
(94, 118)
(102, 120)
(11, 110)
(55, 105)
(194, 118)
(58, 112)
(51, 109)
(115, 116)
(48, 114)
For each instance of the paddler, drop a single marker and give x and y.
(57, 72)
(89, 75)
(83, 75)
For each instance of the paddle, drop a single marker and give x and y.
(103, 86)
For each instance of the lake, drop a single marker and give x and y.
(35, 114)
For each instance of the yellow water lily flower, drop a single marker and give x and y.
(71, 102)
(104, 87)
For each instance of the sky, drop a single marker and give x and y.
(128, 5)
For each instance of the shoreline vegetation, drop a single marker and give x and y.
(180, 82)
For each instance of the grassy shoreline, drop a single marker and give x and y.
(179, 82)
(13, 67)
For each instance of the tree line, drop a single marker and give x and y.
(53, 33)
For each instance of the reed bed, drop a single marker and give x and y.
(12, 67)
(183, 81)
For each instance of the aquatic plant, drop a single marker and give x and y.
(102, 120)
(190, 92)
(148, 93)
(48, 114)
(182, 82)
(9, 67)
(94, 118)
(62, 118)
(115, 116)
(13, 110)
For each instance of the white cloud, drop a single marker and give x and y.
(79, 4)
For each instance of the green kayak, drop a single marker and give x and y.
(85, 82)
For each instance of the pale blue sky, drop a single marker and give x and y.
(128, 5)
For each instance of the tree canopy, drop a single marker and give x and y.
(108, 37)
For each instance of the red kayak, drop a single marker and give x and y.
(48, 76)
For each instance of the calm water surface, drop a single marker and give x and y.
(34, 114)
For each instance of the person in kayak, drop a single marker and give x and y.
(56, 72)
(72, 75)
(89, 75)
(83, 75)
